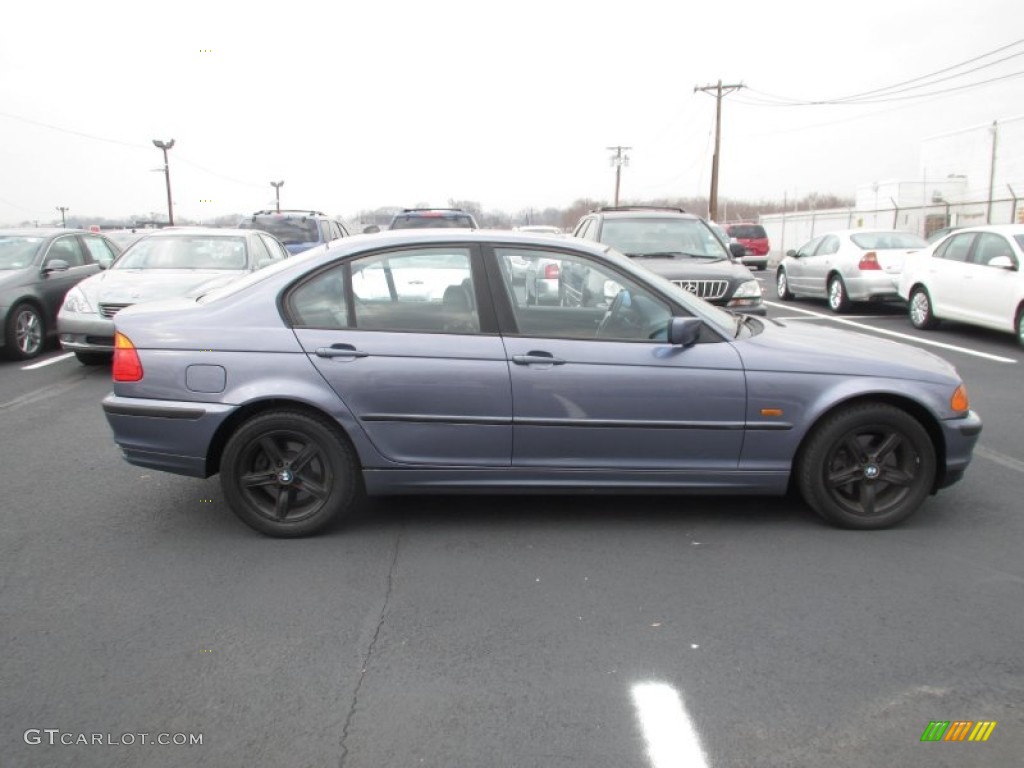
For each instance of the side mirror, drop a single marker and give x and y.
(371, 229)
(793, 254)
(1002, 262)
(738, 250)
(684, 331)
(55, 265)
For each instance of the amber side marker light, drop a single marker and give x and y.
(959, 402)
(127, 365)
(771, 411)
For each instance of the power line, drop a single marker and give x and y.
(887, 93)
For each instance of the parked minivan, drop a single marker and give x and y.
(755, 239)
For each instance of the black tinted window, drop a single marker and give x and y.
(747, 231)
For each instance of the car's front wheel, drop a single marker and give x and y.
(867, 466)
(25, 332)
(782, 286)
(287, 473)
(838, 301)
(1020, 324)
(920, 310)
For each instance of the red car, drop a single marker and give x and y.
(755, 239)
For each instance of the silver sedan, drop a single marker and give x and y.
(847, 266)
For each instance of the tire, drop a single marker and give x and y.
(867, 466)
(1020, 325)
(94, 358)
(919, 308)
(289, 474)
(24, 332)
(782, 286)
(838, 301)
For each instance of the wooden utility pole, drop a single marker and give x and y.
(720, 91)
(618, 160)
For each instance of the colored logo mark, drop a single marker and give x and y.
(958, 730)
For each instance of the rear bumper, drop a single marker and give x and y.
(169, 435)
(882, 286)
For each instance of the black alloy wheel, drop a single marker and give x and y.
(867, 466)
(289, 474)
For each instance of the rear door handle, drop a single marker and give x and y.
(534, 357)
(340, 350)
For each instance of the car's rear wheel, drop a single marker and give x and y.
(289, 474)
(782, 286)
(838, 301)
(920, 310)
(25, 333)
(867, 466)
(1020, 324)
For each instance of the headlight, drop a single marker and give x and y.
(75, 301)
(748, 289)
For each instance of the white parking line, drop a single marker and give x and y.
(668, 730)
(999, 458)
(897, 334)
(45, 363)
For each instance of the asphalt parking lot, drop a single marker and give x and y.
(586, 631)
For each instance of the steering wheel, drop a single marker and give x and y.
(616, 314)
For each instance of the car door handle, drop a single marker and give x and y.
(340, 350)
(533, 357)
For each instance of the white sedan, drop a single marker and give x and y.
(847, 266)
(972, 276)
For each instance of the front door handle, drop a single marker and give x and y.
(534, 357)
(340, 350)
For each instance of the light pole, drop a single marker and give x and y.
(277, 193)
(165, 145)
(63, 221)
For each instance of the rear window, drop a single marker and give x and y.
(748, 231)
(884, 241)
(290, 230)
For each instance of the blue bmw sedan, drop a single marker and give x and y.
(411, 362)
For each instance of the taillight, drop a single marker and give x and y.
(127, 365)
(869, 261)
(550, 271)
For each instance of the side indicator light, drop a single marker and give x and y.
(127, 366)
(959, 401)
(771, 411)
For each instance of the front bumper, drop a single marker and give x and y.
(85, 333)
(960, 436)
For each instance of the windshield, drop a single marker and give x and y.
(184, 252)
(18, 252)
(642, 236)
(881, 241)
(290, 230)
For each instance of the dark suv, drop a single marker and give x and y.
(676, 245)
(433, 218)
(298, 229)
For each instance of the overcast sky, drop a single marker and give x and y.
(508, 104)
